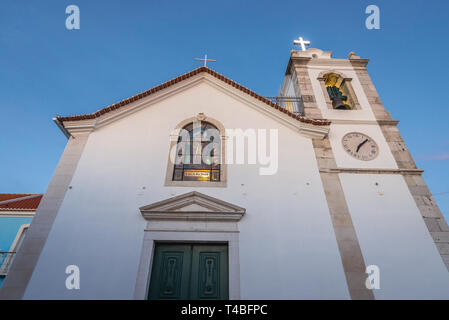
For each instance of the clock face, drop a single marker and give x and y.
(360, 146)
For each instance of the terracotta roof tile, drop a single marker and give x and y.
(17, 202)
(153, 90)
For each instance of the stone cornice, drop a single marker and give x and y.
(80, 126)
(192, 216)
(192, 206)
(374, 171)
(300, 60)
(359, 63)
(363, 121)
(388, 122)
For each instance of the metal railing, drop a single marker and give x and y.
(292, 104)
(6, 259)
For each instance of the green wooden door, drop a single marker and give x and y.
(189, 271)
(171, 267)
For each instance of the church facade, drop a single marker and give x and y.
(202, 189)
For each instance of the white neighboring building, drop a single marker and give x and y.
(344, 194)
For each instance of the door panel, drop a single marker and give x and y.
(171, 269)
(189, 271)
(209, 272)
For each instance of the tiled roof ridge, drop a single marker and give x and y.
(23, 197)
(185, 76)
(21, 204)
(10, 196)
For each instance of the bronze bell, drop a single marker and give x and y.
(338, 104)
(337, 98)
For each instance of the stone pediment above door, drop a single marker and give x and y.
(193, 206)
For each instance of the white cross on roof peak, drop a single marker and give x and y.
(301, 42)
(205, 60)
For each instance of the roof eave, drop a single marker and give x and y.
(61, 127)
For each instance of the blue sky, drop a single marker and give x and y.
(124, 47)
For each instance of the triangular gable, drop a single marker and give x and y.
(121, 104)
(192, 206)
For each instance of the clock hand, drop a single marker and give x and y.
(360, 145)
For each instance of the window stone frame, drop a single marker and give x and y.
(169, 182)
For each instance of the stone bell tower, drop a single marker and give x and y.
(396, 196)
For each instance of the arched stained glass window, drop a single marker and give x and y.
(198, 156)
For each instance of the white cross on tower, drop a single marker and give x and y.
(301, 42)
(205, 60)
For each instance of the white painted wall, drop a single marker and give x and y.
(287, 244)
(393, 236)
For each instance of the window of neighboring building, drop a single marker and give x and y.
(8, 257)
